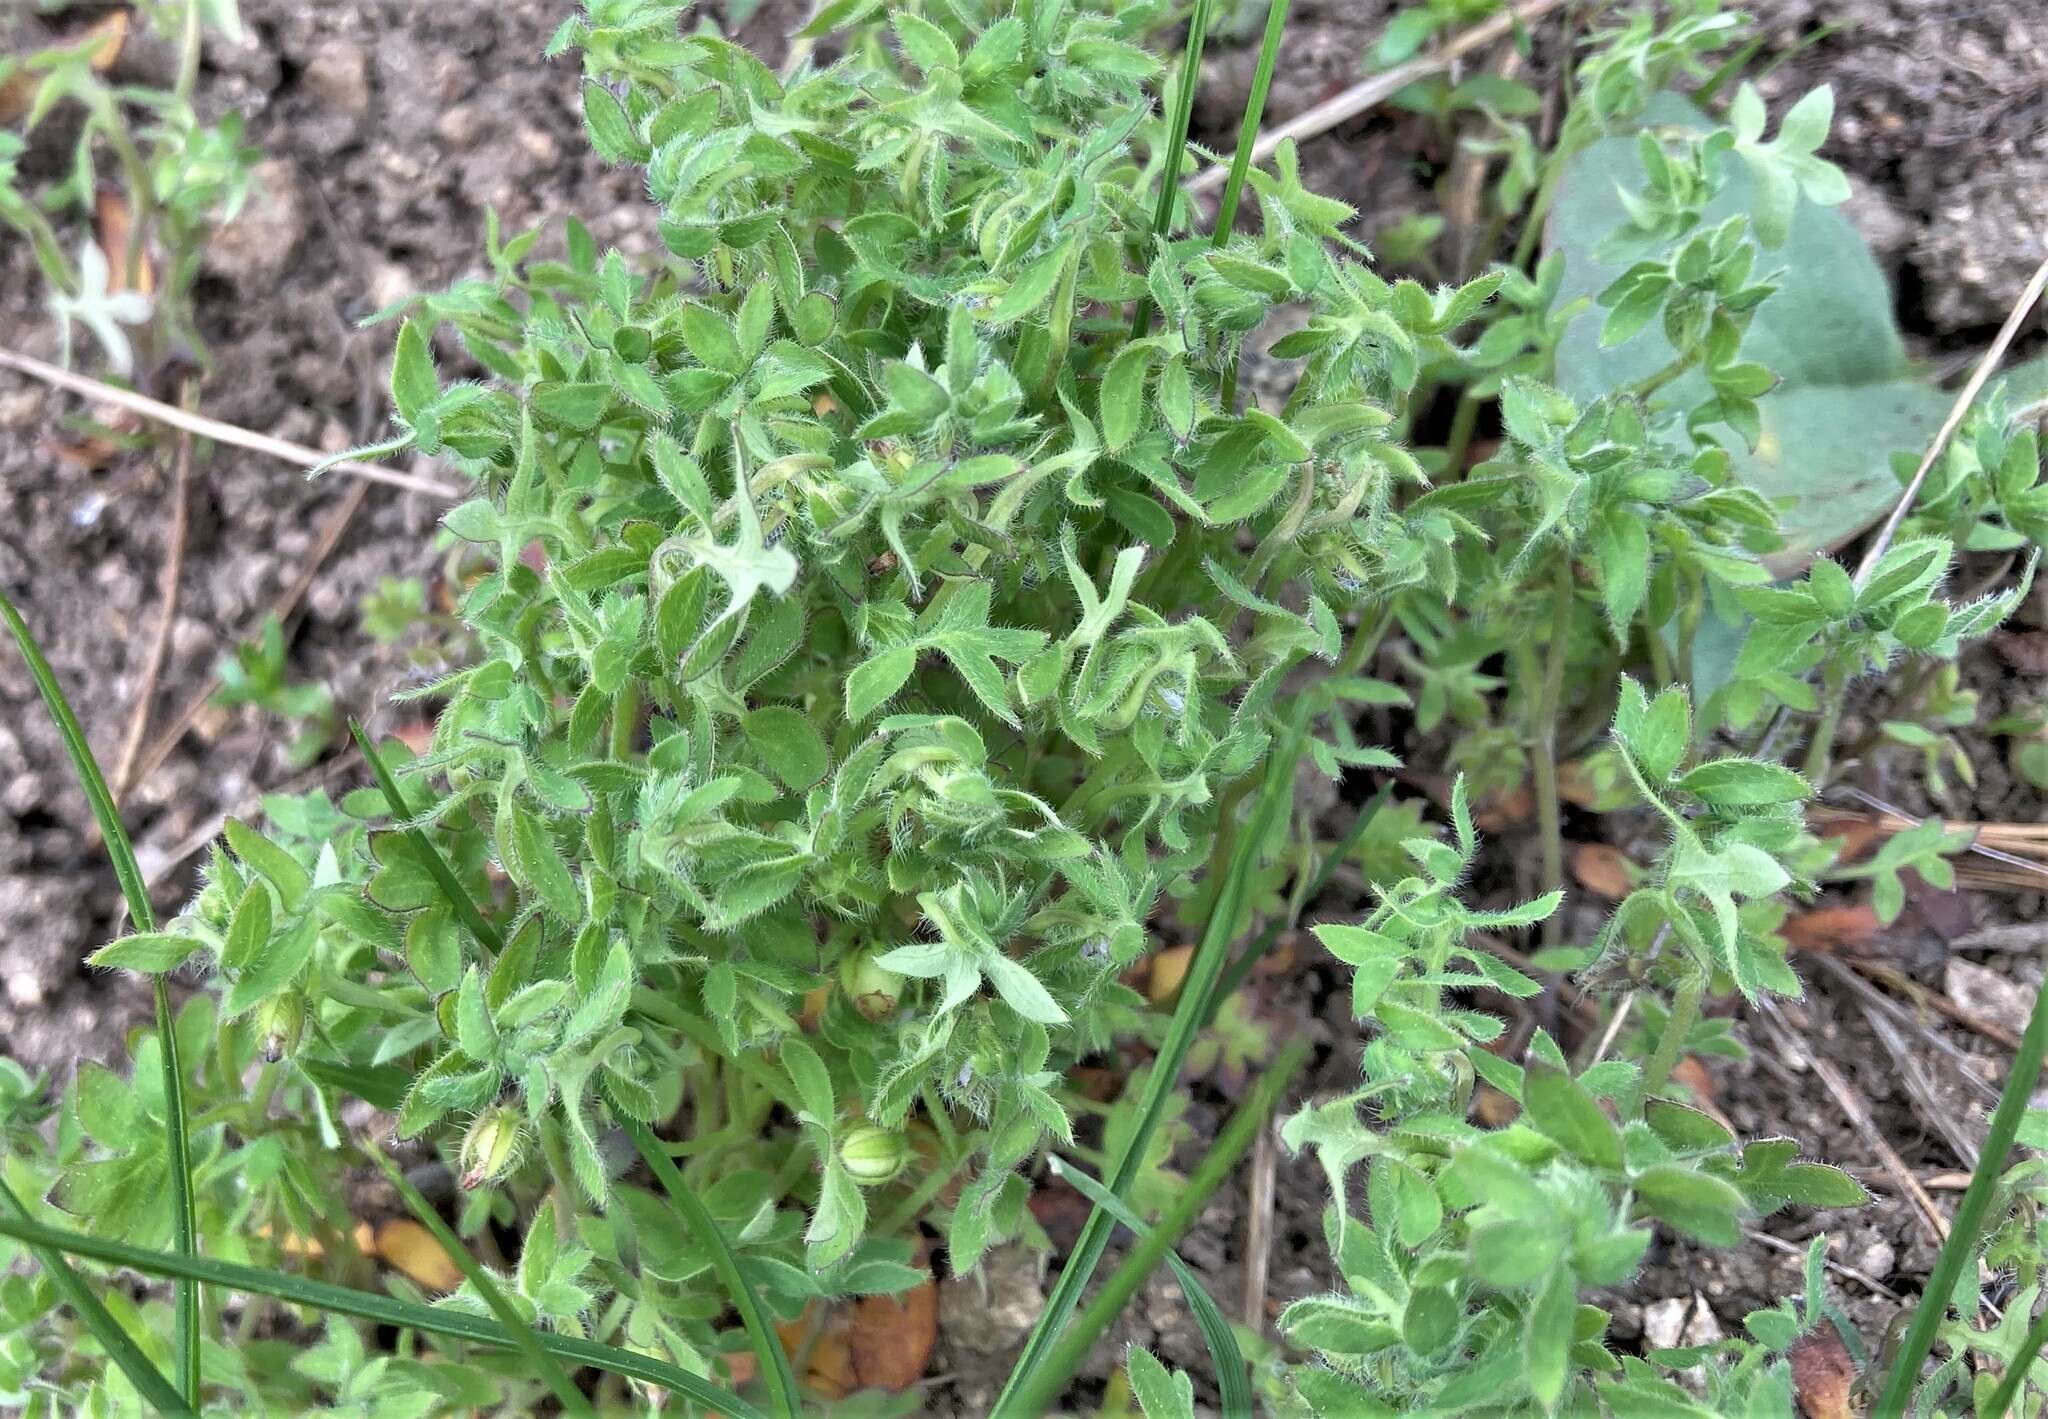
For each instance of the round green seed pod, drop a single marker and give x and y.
(871, 1155)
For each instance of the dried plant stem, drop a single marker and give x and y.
(2002, 342)
(219, 432)
(1852, 1104)
(160, 642)
(1377, 89)
(1258, 1243)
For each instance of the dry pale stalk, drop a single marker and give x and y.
(1375, 90)
(220, 432)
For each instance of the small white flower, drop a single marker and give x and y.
(100, 310)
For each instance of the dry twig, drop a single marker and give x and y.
(1376, 89)
(1935, 1112)
(1779, 1244)
(1870, 995)
(282, 608)
(1999, 345)
(221, 432)
(1258, 1230)
(159, 645)
(1939, 1004)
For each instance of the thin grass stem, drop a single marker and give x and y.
(544, 1364)
(1961, 1247)
(121, 853)
(768, 1352)
(1248, 127)
(1176, 143)
(375, 1308)
(1195, 996)
(459, 901)
(1158, 1240)
(148, 1380)
(2015, 1375)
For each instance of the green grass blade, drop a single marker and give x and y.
(1961, 1247)
(1241, 160)
(1274, 795)
(775, 1367)
(544, 1364)
(1232, 1388)
(2016, 1373)
(122, 854)
(768, 1351)
(1176, 142)
(375, 1308)
(1155, 1245)
(1234, 977)
(148, 1380)
(1254, 114)
(437, 867)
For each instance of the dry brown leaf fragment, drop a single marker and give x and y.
(891, 1337)
(113, 228)
(106, 35)
(1845, 929)
(1169, 969)
(1603, 870)
(406, 1246)
(1691, 1073)
(1822, 1374)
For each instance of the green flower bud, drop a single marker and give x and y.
(871, 1155)
(492, 1147)
(873, 988)
(281, 1023)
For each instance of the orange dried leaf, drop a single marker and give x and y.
(830, 1374)
(891, 1338)
(1691, 1073)
(1493, 1108)
(105, 35)
(406, 1246)
(113, 226)
(1603, 870)
(1846, 929)
(1499, 812)
(1169, 969)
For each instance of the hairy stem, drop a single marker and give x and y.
(1685, 1012)
(1820, 749)
(1543, 744)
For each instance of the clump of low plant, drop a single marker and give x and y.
(882, 614)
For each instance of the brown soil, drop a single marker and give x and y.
(390, 126)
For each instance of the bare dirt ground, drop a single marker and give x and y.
(389, 127)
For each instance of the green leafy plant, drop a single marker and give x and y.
(881, 619)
